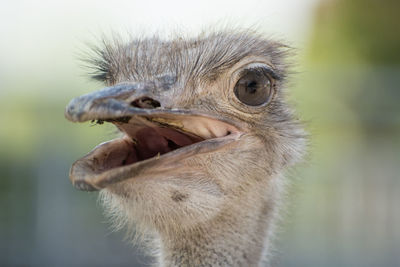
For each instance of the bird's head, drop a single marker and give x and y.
(204, 125)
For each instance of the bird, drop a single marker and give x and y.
(206, 137)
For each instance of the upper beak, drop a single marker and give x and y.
(109, 102)
(114, 104)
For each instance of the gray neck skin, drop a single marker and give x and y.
(239, 238)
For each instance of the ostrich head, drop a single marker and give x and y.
(205, 135)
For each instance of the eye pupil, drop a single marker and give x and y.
(253, 88)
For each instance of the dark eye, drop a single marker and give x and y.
(253, 89)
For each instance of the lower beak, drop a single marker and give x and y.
(120, 159)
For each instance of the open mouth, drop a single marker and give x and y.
(155, 139)
(151, 144)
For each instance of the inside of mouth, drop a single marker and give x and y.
(153, 141)
(143, 143)
(149, 137)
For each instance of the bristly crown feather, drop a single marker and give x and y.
(206, 56)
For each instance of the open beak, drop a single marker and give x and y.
(155, 140)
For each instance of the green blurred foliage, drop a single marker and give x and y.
(354, 60)
(357, 31)
(347, 91)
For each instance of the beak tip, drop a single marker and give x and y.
(79, 182)
(72, 113)
(67, 113)
(84, 186)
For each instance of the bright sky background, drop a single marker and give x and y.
(42, 37)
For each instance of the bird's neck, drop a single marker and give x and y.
(236, 238)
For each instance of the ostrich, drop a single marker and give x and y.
(206, 134)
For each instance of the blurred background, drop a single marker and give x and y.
(344, 200)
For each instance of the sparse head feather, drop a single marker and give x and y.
(202, 59)
(233, 190)
(206, 56)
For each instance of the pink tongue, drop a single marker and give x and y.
(150, 143)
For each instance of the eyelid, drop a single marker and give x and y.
(260, 69)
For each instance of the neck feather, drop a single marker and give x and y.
(238, 237)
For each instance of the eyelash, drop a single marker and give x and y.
(260, 71)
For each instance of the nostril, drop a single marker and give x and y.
(145, 102)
